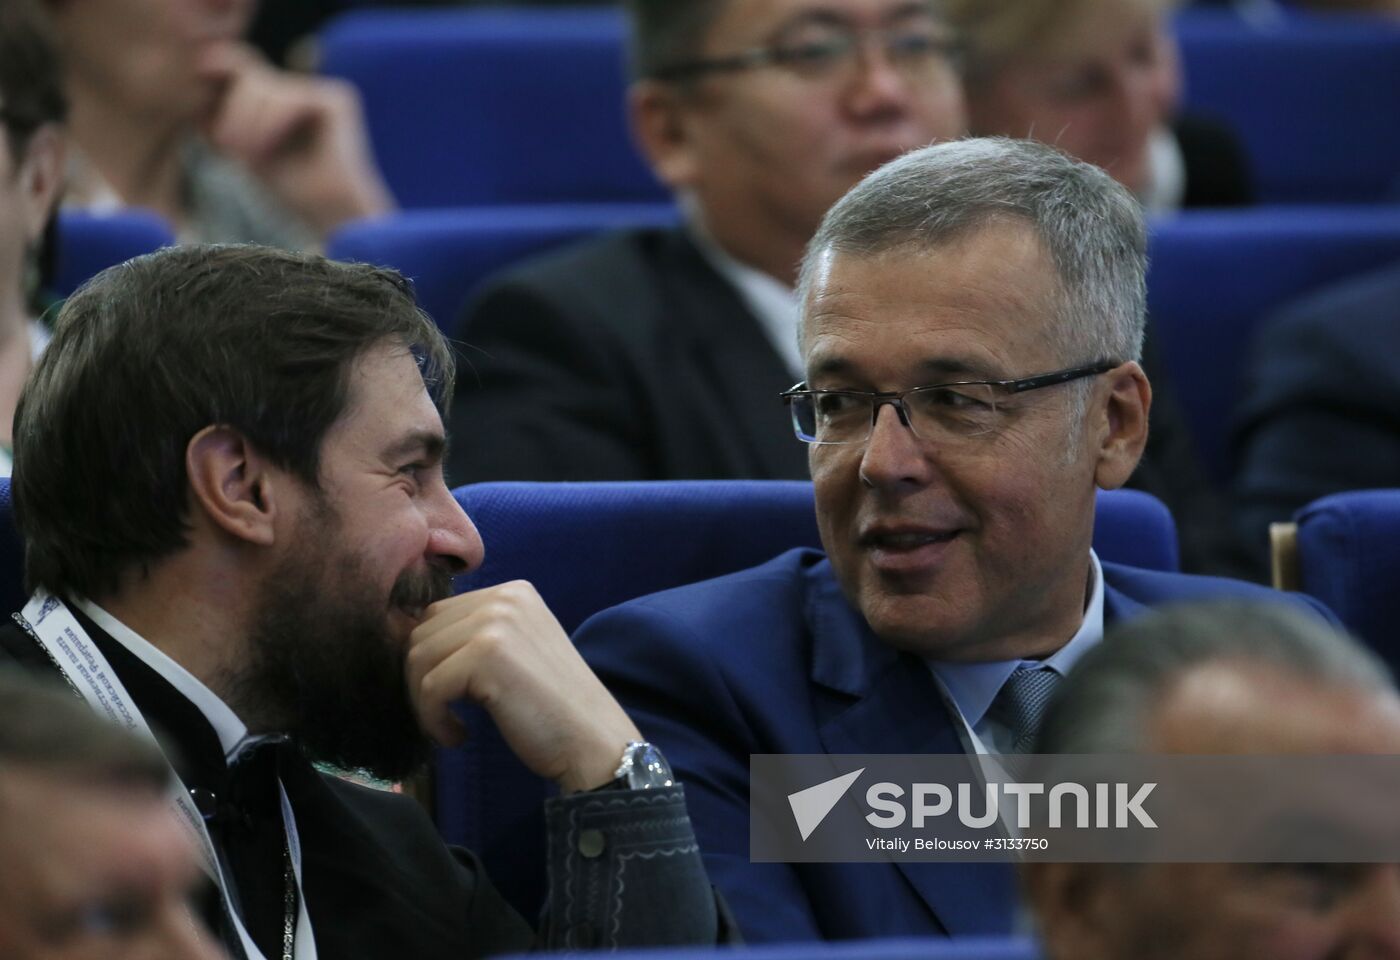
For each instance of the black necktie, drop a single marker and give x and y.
(245, 823)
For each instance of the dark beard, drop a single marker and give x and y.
(323, 668)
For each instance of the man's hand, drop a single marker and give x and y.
(302, 136)
(503, 649)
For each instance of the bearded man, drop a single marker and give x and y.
(228, 470)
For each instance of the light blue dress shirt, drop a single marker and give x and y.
(970, 688)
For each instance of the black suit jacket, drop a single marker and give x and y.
(378, 880)
(1217, 167)
(1321, 408)
(624, 358)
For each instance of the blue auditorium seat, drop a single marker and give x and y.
(920, 948)
(89, 243)
(1314, 98)
(1215, 275)
(1349, 558)
(488, 106)
(447, 253)
(588, 546)
(526, 105)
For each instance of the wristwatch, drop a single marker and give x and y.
(642, 768)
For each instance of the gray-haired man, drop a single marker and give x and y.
(972, 321)
(1226, 678)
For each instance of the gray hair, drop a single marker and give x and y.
(1106, 702)
(1092, 227)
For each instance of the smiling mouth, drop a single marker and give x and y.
(906, 540)
(908, 552)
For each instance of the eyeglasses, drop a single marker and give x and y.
(818, 50)
(938, 411)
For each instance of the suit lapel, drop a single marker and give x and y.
(888, 702)
(188, 739)
(1117, 605)
(729, 344)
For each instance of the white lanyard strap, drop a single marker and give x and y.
(86, 669)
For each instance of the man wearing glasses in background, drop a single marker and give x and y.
(650, 354)
(972, 319)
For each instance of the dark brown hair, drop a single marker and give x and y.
(31, 75)
(148, 353)
(666, 32)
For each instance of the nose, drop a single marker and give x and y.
(1135, 97)
(877, 87)
(893, 455)
(454, 540)
(180, 936)
(195, 944)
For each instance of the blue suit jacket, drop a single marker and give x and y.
(774, 660)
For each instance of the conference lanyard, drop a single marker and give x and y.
(85, 668)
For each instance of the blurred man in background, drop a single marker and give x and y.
(654, 354)
(1223, 678)
(93, 861)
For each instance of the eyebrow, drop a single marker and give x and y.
(431, 444)
(936, 368)
(823, 16)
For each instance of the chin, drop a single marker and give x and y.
(923, 625)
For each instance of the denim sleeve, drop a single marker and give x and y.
(625, 871)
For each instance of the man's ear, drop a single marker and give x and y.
(1068, 900)
(1124, 428)
(657, 112)
(41, 175)
(232, 484)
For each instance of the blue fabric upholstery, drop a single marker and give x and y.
(589, 546)
(523, 106)
(1215, 275)
(1349, 558)
(1314, 99)
(447, 253)
(971, 948)
(89, 243)
(493, 106)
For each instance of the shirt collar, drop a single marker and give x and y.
(232, 733)
(973, 686)
(773, 303)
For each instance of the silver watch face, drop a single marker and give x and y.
(644, 767)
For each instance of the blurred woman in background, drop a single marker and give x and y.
(1100, 79)
(32, 111)
(171, 111)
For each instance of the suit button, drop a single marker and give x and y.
(591, 843)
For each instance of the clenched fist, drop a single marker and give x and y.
(502, 648)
